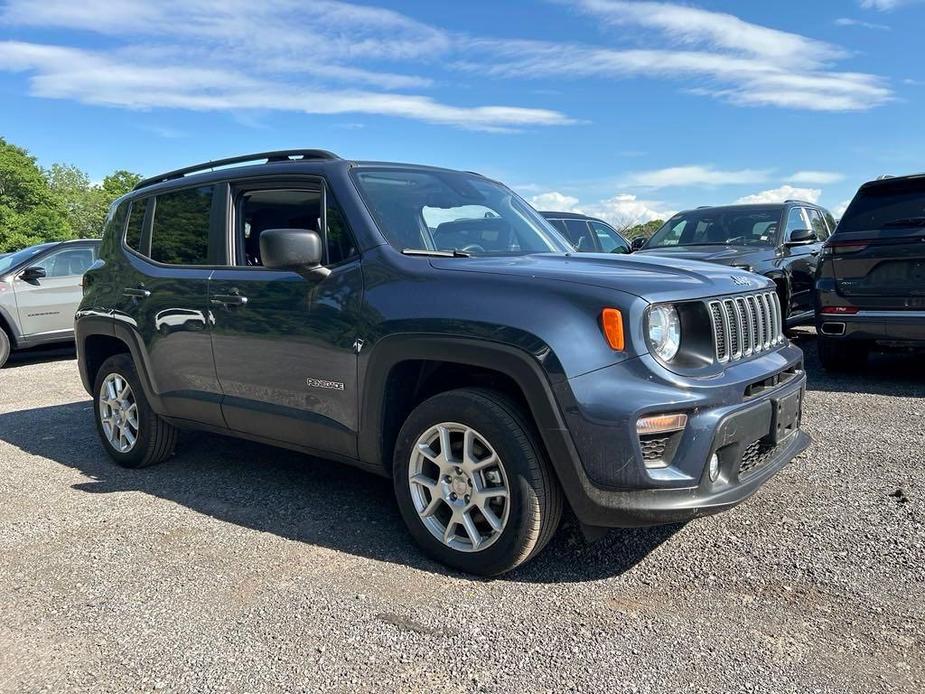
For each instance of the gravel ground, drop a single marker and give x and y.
(237, 567)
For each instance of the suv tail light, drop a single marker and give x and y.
(843, 247)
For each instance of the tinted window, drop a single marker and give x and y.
(559, 224)
(180, 235)
(136, 220)
(818, 224)
(717, 226)
(609, 240)
(339, 238)
(893, 205)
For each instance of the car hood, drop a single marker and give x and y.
(727, 255)
(653, 278)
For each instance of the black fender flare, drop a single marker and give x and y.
(526, 369)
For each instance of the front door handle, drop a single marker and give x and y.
(228, 300)
(136, 292)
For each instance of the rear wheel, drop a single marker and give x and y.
(131, 432)
(4, 347)
(842, 355)
(472, 483)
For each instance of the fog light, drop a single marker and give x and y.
(714, 467)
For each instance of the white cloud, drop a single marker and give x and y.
(696, 176)
(622, 210)
(116, 80)
(781, 194)
(554, 201)
(715, 54)
(885, 5)
(690, 25)
(817, 177)
(235, 54)
(849, 22)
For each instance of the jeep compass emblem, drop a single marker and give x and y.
(741, 281)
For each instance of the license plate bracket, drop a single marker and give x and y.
(786, 412)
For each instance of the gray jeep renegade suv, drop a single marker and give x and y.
(429, 326)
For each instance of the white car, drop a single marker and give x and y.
(40, 288)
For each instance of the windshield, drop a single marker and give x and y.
(454, 211)
(895, 204)
(717, 226)
(11, 261)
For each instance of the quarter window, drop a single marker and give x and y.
(180, 235)
(136, 220)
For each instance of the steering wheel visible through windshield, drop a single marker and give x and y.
(752, 226)
(435, 210)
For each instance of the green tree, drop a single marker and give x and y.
(645, 230)
(29, 211)
(83, 203)
(118, 183)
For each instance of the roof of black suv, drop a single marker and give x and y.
(273, 162)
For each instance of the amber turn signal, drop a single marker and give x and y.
(612, 323)
(661, 424)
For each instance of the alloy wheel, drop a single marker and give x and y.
(459, 487)
(119, 413)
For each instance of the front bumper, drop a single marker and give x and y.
(610, 485)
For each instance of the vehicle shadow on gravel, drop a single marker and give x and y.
(897, 374)
(295, 496)
(40, 355)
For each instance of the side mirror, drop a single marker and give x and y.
(801, 237)
(32, 274)
(638, 243)
(299, 250)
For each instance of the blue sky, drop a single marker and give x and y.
(624, 109)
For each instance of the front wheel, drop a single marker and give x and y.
(132, 433)
(472, 483)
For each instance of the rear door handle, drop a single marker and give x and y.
(136, 292)
(228, 300)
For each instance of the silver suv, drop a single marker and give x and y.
(40, 288)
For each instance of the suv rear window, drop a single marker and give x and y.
(180, 235)
(884, 206)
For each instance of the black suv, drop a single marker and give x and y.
(430, 326)
(588, 234)
(870, 288)
(781, 241)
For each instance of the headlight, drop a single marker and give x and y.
(663, 327)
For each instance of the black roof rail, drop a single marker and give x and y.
(704, 207)
(801, 202)
(269, 157)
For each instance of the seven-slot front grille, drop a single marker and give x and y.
(745, 325)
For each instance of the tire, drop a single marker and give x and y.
(5, 347)
(529, 514)
(842, 355)
(154, 437)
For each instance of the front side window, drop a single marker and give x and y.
(180, 235)
(609, 240)
(67, 262)
(818, 224)
(746, 226)
(796, 220)
(447, 210)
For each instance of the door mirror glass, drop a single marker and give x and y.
(32, 274)
(299, 250)
(801, 237)
(638, 243)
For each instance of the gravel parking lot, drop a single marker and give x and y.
(238, 567)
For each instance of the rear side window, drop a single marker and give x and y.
(893, 205)
(136, 220)
(180, 235)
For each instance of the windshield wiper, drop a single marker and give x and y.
(455, 253)
(906, 222)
